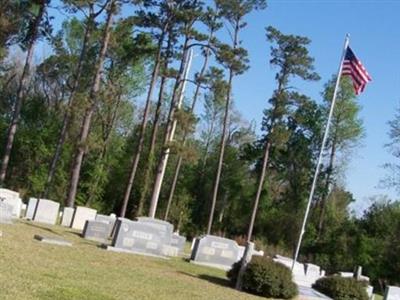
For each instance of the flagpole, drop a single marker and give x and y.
(324, 140)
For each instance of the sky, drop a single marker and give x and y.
(374, 28)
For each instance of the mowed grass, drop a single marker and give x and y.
(30, 269)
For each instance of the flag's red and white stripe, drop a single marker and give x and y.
(353, 67)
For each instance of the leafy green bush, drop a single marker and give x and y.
(266, 278)
(340, 288)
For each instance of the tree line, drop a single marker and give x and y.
(103, 121)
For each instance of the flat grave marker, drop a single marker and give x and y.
(50, 240)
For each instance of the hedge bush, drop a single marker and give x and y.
(340, 288)
(266, 278)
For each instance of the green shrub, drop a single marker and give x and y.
(266, 278)
(340, 288)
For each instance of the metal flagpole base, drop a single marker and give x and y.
(248, 252)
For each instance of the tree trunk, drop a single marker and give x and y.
(85, 127)
(185, 134)
(139, 149)
(21, 93)
(67, 114)
(223, 137)
(103, 152)
(170, 130)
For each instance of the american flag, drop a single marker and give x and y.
(353, 67)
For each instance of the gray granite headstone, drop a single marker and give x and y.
(46, 211)
(12, 198)
(215, 251)
(392, 293)
(107, 219)
(5, 213)
(81, 215)
(68, 214)
(163, 227)
(178, 241)
(96, 231)
(138, 237)
(30, 211)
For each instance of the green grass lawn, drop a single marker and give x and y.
(30, 269)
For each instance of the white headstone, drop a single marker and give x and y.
(392, 293)
(300, 277)
(46, 211)
(31, 208)
(81, 215)
(5, 213)
(370, 291)
(346, 274)
(12, 198)
(313, 273)
(67, 216)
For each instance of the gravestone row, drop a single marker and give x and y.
(144, 236)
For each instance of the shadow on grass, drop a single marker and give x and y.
(212, 279)
(75, 233)
(42, 228)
